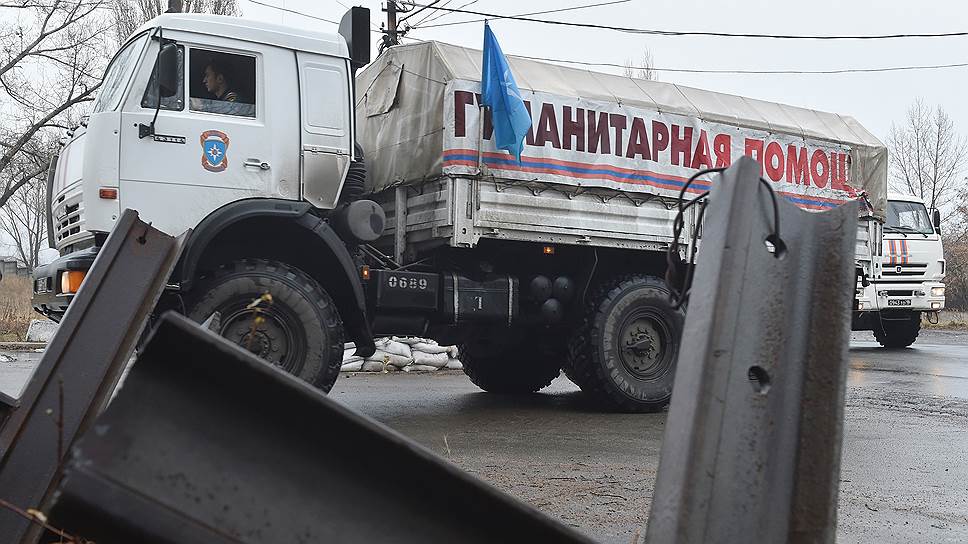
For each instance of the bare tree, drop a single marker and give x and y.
(131, 14)
(643, 69)
(928, 159)
(51, 58)
(927, 156)
(24, 220)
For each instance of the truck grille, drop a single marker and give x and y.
(68, 219)
(909, 270)
(900, 293)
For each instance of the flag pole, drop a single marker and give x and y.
(480, 128)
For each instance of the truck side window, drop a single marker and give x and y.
(176, 102)
(222, 83)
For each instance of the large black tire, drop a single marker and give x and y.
(898, 333)
(624, 351)
(505, 361)
(301, 331)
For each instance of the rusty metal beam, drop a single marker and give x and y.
(81, 367)
(206, 443)
(752, 443)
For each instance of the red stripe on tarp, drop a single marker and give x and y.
(573, 164)
(603, 166)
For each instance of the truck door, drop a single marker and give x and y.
(227, 134)
(327, 121)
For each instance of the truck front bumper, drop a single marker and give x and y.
(918, 296)
(48, 298)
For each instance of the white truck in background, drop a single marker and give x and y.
(554, 263)
(908, 280)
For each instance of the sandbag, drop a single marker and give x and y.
(435, 360)
(454, 364)
(420, 368)
(350, 355)
(428, 348)
(411, 340)
(395, 348)
(382, 357)
(374, 366)
(352, 366)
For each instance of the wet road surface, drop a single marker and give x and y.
(905, 461)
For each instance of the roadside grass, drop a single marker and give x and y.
(15, 309)
(949, 319)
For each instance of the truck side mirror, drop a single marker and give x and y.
(168, 70)
(936, 217)
(355, 29)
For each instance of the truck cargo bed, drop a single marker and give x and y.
(459, 211)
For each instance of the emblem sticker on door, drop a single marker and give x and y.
(215, 146)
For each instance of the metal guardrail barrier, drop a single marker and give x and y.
(752, 444)
(80, 368)
(206, 443)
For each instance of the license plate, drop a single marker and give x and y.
(899, 302)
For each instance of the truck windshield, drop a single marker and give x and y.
(908, 217)
(118, 74)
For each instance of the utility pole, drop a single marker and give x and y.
(390, 34)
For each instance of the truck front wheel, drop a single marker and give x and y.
(899, 332)
(624, 352)
(277, 312)
(507, 361)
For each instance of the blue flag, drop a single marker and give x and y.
(500, 93)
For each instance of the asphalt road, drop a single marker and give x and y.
(905, 464)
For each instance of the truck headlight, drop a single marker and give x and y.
(937, 291)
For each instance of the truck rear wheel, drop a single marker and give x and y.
(898, 333)
(624, 352)
(511, 362)
(299, 330)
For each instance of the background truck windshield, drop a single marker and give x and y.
(117, 76)
(908, 217)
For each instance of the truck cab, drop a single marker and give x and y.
(909, 278)
(241, 132)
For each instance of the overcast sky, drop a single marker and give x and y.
(876, 100)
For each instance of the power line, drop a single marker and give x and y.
(443, 14)
(433, 14)
(526, 14)
(731, 71)
(376, 31)
(432, 5)
(293, 11)
(698, 33)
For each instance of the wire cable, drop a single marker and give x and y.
(741, 71)
(655, 32)
(280, 8)
(525, 14)
(432, 14)
(442, 14)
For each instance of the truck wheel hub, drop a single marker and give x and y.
(268, 337)
(642, 347)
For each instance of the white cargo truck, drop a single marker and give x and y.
(909, 278)
(378, 203)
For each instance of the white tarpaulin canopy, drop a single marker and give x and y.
(418, 119)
